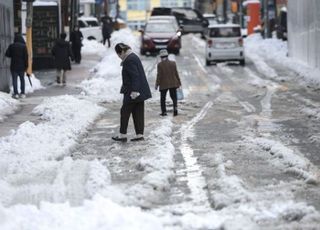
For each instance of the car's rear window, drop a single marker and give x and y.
(160, 28)
(225, 32)
(92, 23)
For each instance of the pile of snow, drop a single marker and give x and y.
(92, 47)
(105, 85)
(260, 50)
(7, 105)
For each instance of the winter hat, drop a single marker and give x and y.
(164, 53)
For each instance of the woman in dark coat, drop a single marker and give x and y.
(135, 90)
(18, 53)
(76, 43)
(107, 29)
(62, 54)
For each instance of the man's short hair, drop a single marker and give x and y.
(121, 47)
(63, 35)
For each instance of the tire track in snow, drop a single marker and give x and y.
(195, 178)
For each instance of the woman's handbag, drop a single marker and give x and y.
(180, 95)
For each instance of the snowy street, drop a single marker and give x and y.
(241, 154)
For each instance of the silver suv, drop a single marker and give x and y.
(224, 43)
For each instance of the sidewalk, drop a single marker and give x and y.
(47, 79)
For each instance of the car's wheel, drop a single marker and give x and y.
(242, 62)
(208, 62)
(142, 52)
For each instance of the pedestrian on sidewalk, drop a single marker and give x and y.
(167, 79)
(107, 29)
(18, 53)
(76, 38)
(135, 90)
(62, 54)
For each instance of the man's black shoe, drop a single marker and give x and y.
(122, 139)
(175, 113)
(163, 114)
(137, 139)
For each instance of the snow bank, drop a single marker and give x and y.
(105, 85)
(7, 105)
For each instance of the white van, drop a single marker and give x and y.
(90, 28)
(224, 43)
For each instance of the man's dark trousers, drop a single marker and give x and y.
(137, 111)
(163, 95)
(15, 75)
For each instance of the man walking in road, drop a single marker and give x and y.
(18, 53)
(167, 79)
(135, 90)
(76, 43)
(62, 54)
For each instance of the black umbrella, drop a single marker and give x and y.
(28, 75)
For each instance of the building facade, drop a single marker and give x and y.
(6, 37)
(304, 31)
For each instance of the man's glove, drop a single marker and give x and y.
(156, 87)
(134, 95)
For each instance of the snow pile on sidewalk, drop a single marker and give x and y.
(105, 85)
(7, 105)
(92, 47)
(260, 50)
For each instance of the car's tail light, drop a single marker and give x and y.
(240, 42)
(210, 43)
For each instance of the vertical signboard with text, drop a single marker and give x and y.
(45, 31)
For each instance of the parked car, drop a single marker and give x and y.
(90, 28)
(156, 11)
(191, 20)
(224, 43)
(169, 18)
(160, 34)
(212, 18)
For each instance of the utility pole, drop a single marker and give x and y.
(241, 13)
(29, 35)
(106, 7)
(225, 6)
(266, 19)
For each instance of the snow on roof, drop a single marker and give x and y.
(223, 25)
(284, 9)
(245, 3)
(87, 1)
(88, 18)
(209, 15)
(45, 3)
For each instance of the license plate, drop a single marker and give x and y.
(161, 46)
(225, 45)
